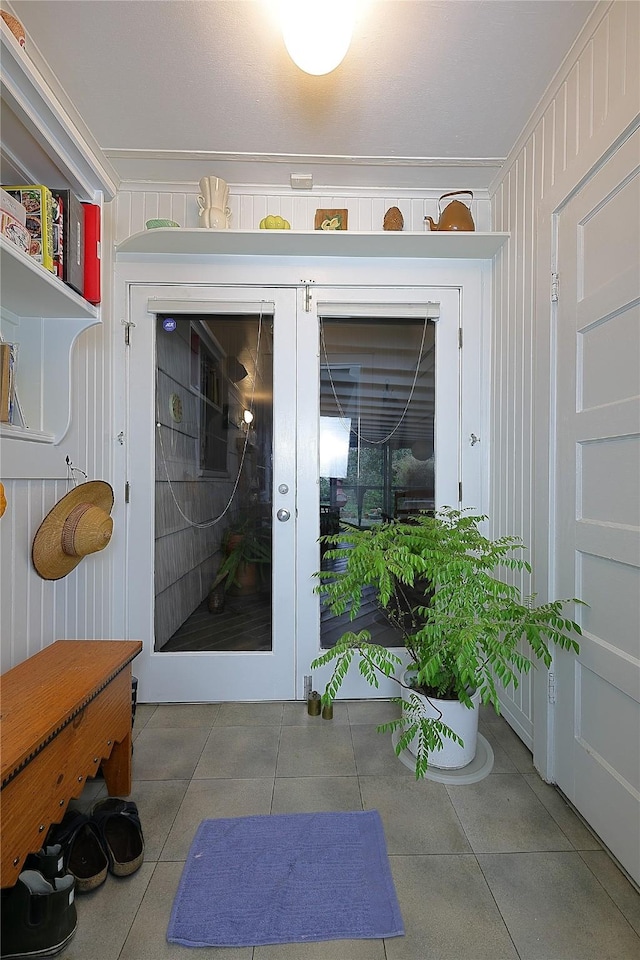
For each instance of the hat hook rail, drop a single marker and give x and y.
(72, 480)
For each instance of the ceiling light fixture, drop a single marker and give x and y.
(317, 33)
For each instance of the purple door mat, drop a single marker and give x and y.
(286, 878)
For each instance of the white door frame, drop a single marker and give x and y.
(470, 281)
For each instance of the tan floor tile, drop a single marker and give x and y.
(315, 794)
(177, 715)
(147, 939)
(569, 822)
(105, 916)
(418, 816)
(166, 754)
(621, 891)
(374, 753)
(250, 714)
(323, 950)
(501, 814)
(448, 912)
(209, 799)
(321, 751)
(158, 802)
(554, 907)
(239, 752)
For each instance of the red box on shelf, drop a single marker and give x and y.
(91, 252)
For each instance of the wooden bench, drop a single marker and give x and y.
(64, 712)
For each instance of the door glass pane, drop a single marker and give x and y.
(213, 484)
(377, 409)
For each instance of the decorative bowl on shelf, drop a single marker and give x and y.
(152, 224)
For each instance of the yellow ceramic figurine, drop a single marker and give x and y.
(274, 223)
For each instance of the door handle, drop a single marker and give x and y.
(283, 515)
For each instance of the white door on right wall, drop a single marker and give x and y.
(597, 719)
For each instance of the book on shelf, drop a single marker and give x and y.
(68, 236)
(92, 252)
(8, 359)
(38, 203)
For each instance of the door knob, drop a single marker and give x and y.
(283, 514)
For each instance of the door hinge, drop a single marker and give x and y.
(551, 687)
(460, 491)
(555, 281)
(127, 324)
(308, 296)
(459, 338)
(127, 491)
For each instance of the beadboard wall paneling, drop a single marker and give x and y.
(35, 612)
(591, 106)
(139, 202)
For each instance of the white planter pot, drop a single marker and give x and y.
(462, 721)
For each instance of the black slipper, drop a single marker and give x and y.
(118, 825)
(82, 851)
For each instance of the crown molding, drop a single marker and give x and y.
(188, 187)
(273, 170)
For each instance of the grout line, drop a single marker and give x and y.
(138, 908)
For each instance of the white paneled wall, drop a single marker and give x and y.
(35, 612)
(139, 202)
(592, 103)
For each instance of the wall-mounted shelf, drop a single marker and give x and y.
(28, 290)
(41, 143)
(57, 142)
(12, 432)
(184, 241)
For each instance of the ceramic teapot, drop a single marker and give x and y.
(455, 216)
(213, 203)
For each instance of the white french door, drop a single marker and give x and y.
(386, 377)
(199, 357)
(227, 388)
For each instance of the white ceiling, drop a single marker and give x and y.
(167, 86)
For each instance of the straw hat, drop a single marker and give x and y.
(79, 524)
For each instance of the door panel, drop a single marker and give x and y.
(597, 761)
(386, 438)
(196, 367)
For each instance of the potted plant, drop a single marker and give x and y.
(246, 549)
(464, 628)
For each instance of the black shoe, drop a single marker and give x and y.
(120, 832)
(49, 862)
(82, 851)
(38, 916)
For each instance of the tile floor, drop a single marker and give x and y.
(498, 870)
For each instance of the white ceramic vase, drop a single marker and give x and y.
(462, 721)
(213, 202)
